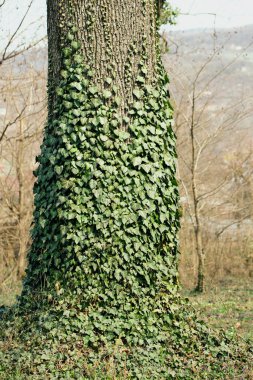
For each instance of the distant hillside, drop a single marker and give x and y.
(227, 55)
(233, 39)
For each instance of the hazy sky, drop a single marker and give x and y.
(229, 13)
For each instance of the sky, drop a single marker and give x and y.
(195, 14)
(204, 13)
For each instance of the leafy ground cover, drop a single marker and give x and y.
(228, 306)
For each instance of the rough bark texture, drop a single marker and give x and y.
(115, 36)
(109, 126)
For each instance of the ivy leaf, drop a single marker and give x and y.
(58, 169)
(107, 94)
(102, 120)
(76, 85)
(83, 120)
(167, 159)
(137, 161)
(108, 80)
(162, 228)
(152, 194)
(103, 138)
(67, 105)
(93, 90)
(154, 104)
(155, 93)
(96, 102)
(78, 58)
(75, 45)
(42, 222)
(140, 79)
(66, 52)
(76, 112)
(137, 93)
(138, 105)
(75, 171)
(146, 167)
(59, 91)
(123, 135)
(117, 274)
(126, 119)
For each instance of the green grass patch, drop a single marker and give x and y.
(228, 306)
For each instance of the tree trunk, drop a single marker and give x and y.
(106, 199)
(201, 259)
(21, 209)
(195, 200)
(115, 37)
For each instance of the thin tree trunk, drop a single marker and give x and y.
(201, 260)
(22, 230)
(196, 217)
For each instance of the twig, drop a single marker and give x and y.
(11, 123)
(15, 33)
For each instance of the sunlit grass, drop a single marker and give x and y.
(228, 306)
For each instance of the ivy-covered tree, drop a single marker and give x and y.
(101, 284)
(106, 216)
(106, 196)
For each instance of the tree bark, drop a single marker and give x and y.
(115, 36)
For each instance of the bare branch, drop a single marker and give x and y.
(15, 53)
(15, 33)
(233, 223)
(11, 123)
(217, 188)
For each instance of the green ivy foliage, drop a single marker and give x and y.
(167, 14)
(106, 215)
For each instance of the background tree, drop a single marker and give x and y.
(204, 132)
(22, 115)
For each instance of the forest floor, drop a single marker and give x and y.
(227, 305)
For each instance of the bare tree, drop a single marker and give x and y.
(20, 137)
(11, 49)
(22, 88)
(203, 129)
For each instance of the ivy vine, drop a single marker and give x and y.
(106, 215)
